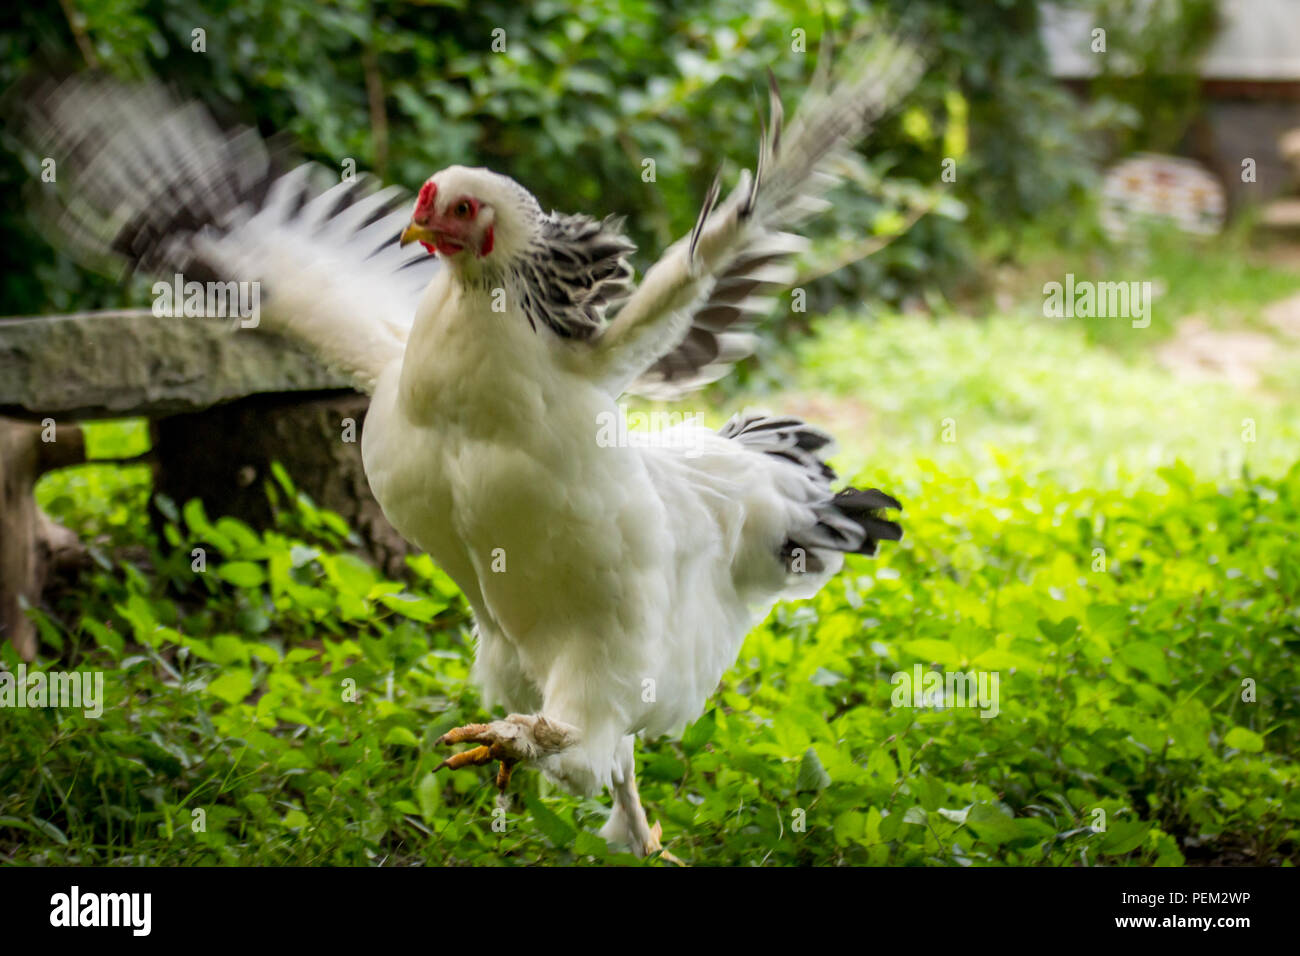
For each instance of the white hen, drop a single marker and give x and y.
(612, 582)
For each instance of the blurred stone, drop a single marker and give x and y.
(1198, 352)
(1281, 214)
(1149, 188)
(1284, 315)
(128, 363)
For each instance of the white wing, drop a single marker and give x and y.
(684, 323)
(154, 183)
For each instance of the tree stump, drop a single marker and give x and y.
(223, 456)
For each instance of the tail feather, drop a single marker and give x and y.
(863, 507)
(848, 521)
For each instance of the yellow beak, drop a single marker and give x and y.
(414, 233)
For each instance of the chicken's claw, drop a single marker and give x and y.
(491, 747)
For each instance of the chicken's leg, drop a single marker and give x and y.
(628, 827)
(518, 737)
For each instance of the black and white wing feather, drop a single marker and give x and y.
(152, 183)
(574, 271)
(686, 321)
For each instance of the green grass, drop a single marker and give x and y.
(103, 503)
(1096, 534)
(1225, 281)
(965, 392)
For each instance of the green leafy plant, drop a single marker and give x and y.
(282, 705)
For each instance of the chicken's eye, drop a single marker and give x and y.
(462, 209)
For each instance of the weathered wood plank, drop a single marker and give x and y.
(119, 364)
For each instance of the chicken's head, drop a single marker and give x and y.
(466, 214)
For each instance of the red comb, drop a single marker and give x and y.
(424, 204)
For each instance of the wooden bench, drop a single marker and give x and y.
(222, 404)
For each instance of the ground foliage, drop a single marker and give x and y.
(1127, 606)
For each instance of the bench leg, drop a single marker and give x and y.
(27, 537)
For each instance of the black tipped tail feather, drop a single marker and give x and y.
(849, 521)
(864, 507)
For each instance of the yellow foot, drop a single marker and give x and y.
(491, 747)
(655, 845)
(519, 737)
